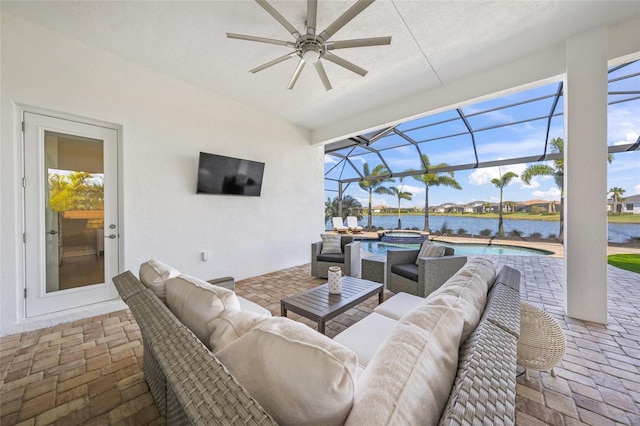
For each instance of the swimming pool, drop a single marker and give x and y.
(377, 247)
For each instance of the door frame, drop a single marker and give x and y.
(93, 309)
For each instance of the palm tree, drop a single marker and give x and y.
(374, 185)
(402, 195)
(557, 171)
(350, 207)
(616, 196)
(501, 183)
(434, 179)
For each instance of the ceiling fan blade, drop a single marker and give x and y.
(296, 74)
(345, 64)
(261, 39)
(312, 12)
(275, 61)
(344, 19)
(323, 74)
(358, 42)
(278, 17)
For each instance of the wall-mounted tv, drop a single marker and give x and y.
(218, 174)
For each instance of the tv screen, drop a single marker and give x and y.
(218, 174)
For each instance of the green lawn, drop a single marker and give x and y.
(630, 262)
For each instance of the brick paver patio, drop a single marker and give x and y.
(88, 372)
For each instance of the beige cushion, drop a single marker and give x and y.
(331, 243)
(409, 380)
(468, 293)
(430, 250)
(298, 375)
(399, 305)
(248, 305)
(154, 275)
(482, 267)
(230, 325)
(366, 336)
(195, 303)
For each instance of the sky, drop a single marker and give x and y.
(520, 140)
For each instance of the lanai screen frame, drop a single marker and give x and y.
(343, 150)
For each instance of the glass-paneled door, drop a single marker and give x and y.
(71, 213)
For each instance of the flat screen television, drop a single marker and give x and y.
(218, 174)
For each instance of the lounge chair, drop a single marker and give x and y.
(352, 224)
(338, 225)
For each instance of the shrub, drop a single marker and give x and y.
(462, 231)
(515, 233)
(536, 235)
(415, 228)
(486, 232)
(443, 228)
(634, 240)
(552, 236)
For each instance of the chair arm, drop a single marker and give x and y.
(399, 257)
(435, 271)
(352, 259)
(226, 282)
(316, 248)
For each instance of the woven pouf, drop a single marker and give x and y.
(542, 341)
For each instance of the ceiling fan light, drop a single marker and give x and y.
(311, 55)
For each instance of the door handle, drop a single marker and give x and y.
(53, 232)
(112, 236)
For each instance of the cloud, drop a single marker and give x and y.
(415, 190)
(637, 188)
(484, 176)
(630, 137)
(552, 193)
(330, 159)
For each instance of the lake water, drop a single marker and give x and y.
(376, 247)
(618, 232)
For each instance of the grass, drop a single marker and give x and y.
(630, 262)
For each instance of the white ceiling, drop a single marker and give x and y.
(434, 43)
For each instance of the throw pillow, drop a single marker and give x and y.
(466, 293)
(195, 303)
(298, 375)
(331, 243)
(480, 266)
(154, 275)
(230, 326)
(430, 250)
(420, 357)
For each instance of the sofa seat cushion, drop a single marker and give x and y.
(230, 326)
(399, 305)
(298, 375)
(195, 302)
(331, 257)
(248, 305)
(154, 275)
(409, 380)
(366, 336)
(406, 270)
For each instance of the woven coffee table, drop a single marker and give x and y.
(319, 305)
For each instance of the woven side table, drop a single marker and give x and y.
(542, 341)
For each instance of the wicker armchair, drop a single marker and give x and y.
(348, 260)
(542, 341)
(422, 279)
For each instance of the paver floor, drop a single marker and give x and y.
(89, 372)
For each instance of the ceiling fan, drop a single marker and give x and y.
(312, 47)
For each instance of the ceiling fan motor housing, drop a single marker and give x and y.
(310, 48)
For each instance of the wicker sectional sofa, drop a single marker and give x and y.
(191, 386)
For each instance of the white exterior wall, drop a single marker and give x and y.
(165, 122)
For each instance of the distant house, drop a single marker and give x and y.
(538, 206)
(379, 208)
(630, 204)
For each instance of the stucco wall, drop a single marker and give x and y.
(164, 123)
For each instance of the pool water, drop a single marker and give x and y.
(377, 247)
